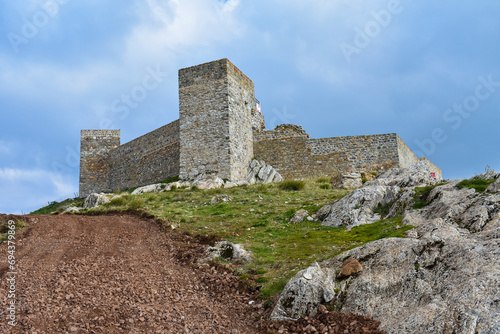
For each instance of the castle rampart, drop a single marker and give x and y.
(219, 131)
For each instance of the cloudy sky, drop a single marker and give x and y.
(427, 70)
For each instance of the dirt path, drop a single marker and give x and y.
(117, 274)
(123, 274)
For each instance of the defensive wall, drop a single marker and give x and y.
(219, 131)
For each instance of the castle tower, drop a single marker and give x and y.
(215, 113)
(94, 166)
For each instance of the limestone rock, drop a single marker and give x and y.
(494, 187)
(229, 251)
(446, 281)
(304, 293)
(94, 200)
(72, 209)
(299, 216)
(220, 198)
(357, 207)
(149, 189)
(350, 267)
(416, 175)
(351, 181)
(260, 172)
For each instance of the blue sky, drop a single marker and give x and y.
(427, 70)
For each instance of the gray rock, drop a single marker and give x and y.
(444, 282)
(149, 189)
(304, 293)
(494, 187)
(95, 199)
(416, 175)
(229, 251)
(299, 216)
(220, 198)
(357, 207)
(73, 209)
(259, 172)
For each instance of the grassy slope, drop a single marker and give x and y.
(257, 217)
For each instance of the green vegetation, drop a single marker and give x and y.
(479, 184)
(383, 209)
(421, 195)
(58, 207)
(292, 185)
(257, 218)
(4, 228)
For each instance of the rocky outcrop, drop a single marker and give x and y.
(358, 207)
(443, 278)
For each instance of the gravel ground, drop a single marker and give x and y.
(123, 274)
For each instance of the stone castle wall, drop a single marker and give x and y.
(105, 166)
(148, 159)
(290, 150)
(219, 131)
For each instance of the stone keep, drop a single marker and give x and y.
(216, 101)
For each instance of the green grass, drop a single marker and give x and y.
(257, 217)
(4, 228)
(479, 185)
(292, 185)
(421, 195)
(58, 206)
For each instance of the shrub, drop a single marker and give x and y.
(119, 201)
(325, 186)
(323, 179)
(291, 185)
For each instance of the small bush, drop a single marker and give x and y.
(292, 185)
(325, 186)
(479, 184)
(323, 179)
(135, 204)
(119, 201)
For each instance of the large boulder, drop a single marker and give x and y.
(446, 281)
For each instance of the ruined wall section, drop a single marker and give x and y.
(95, 149)
(148, 159)
(289, 149)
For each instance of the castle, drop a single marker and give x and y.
(219, 131)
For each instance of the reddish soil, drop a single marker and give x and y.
(124, 274)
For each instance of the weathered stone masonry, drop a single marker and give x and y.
(218, 133)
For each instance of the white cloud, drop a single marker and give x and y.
(5, 147)
(172, 27)
(25, 190)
